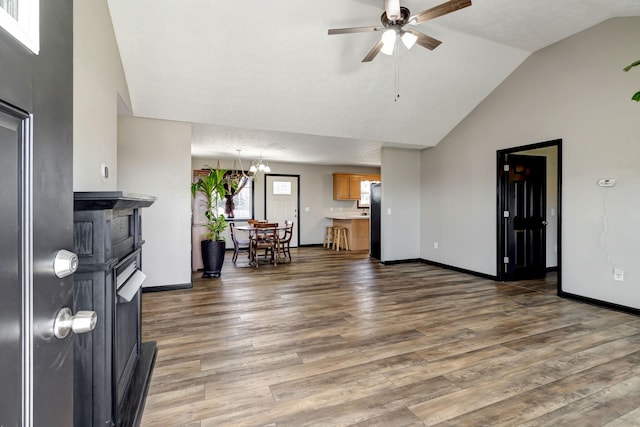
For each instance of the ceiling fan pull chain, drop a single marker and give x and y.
(397, 72)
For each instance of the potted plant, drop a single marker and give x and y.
(636, 96)
(215, 188)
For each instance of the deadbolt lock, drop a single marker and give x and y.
(65, 263)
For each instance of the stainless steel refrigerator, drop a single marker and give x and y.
(374, 220)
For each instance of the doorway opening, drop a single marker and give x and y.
(529, 221)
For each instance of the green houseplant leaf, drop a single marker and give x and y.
(636, 96)
(213, 187)
(635, 64)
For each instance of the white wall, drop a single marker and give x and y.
(316, 192)
(400, 235)
(574, 90)
(154, 158)
(98, 82)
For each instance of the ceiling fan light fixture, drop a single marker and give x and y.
(395, 18)
(387, 49)
(409, 39)
(389, 41)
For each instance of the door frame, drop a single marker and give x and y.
(297, 177)
(501, 203)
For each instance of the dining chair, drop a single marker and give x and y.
(238, 244)
(265, 224)
(284, 240)
(265, 237)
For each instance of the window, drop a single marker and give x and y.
(242, 204)
(11, 7)
(240, 208)
(20, 18)
(365, 194)
(282, 188)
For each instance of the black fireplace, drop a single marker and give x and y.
(112, 366)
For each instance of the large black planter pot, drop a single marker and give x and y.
(212, 257)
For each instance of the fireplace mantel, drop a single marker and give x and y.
(96, 200)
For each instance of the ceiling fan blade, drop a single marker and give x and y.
(373, 52)
(425, 40)
(353, 30)
(392, 8)
(443, 9)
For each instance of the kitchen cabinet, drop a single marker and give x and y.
(347, 186)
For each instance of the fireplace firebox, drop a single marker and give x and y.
(112, 366)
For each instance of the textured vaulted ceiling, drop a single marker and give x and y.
(264, 77)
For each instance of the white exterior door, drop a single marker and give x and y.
(282, 202)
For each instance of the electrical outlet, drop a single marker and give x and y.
(435, 245)
(618, 274)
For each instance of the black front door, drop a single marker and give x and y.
(524, 217)
(36, 217)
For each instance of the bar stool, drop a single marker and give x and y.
(340, 238)
(328, 237)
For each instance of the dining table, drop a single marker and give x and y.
(256, 235)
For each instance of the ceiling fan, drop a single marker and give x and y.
(394, 18)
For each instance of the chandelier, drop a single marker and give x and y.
(238, 173)
(259, 166)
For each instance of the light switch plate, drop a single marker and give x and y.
(104, 171)
(618, 274)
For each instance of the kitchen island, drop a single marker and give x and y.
(357, 229)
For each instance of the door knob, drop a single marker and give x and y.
(65, 263)
(544, 223)
(83, 321)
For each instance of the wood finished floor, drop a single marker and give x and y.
(336, 339)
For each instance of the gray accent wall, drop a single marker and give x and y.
(574, 90)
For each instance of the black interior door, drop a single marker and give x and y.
(375, 220)
(36, 217)
(524, 217)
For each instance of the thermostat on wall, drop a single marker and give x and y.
(607, 182)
